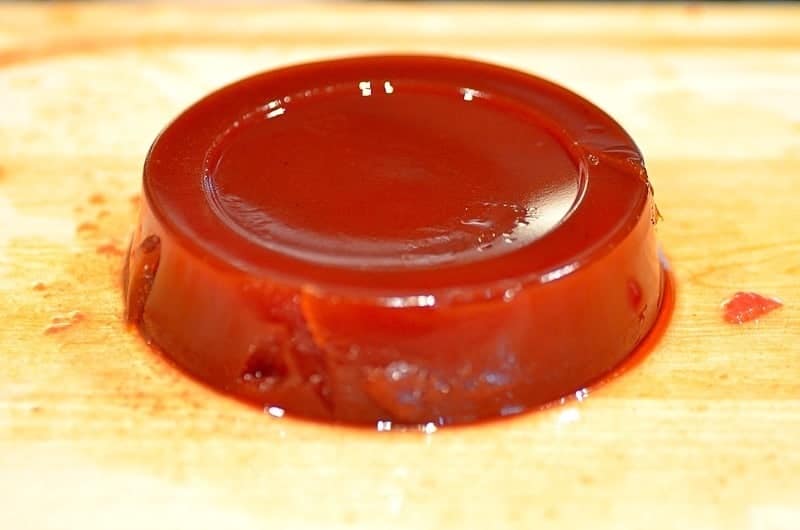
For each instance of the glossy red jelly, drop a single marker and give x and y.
(743, 307)
(395, 239)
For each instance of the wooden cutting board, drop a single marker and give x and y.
(96, 431)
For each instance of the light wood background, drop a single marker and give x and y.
(98, 432)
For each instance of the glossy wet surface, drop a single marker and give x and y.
(392, 174)
(406, 239)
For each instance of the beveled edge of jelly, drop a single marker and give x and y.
(619, 153)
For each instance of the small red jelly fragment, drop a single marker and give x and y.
(744, 307)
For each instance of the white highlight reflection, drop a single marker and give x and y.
(429, 428)
(558, 273)
(469, 93)
(384, 426)
(387, 87)
(366, 88)
(411, 301)
(275, 412)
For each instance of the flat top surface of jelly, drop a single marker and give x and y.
(397, 173)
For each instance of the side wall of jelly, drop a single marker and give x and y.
(355, 359)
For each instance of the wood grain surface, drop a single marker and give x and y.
(96, 431)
